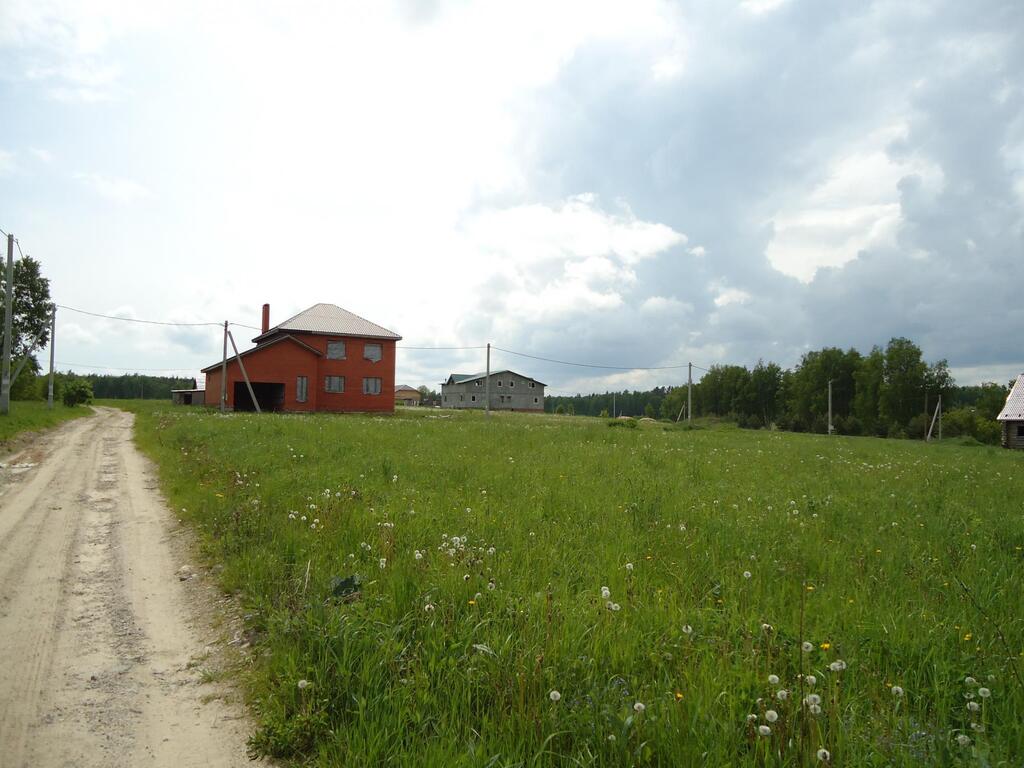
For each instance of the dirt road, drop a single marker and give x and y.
(102, 647)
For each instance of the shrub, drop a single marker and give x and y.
(77, 392)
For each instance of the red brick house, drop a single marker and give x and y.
(323, 359)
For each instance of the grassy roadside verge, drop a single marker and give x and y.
(33, 416)
(481, 550)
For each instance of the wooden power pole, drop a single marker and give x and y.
(5, 384)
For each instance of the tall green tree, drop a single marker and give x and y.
(32, 307)
(905, 373)
(868, 386)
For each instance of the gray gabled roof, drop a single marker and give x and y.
(331, 319)
(1014, 408)
(462, 378)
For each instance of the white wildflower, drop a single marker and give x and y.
(973, 706)
(773, 679)
(687, 629)
(782, 695)
(810, 679)
(824, 755)
(807, 646)
(554, 696)
(605, 593)
(383, 563)
(746, 574)
(970, 681)
(984, 693)
(764, 730)
(771, 715)
(303, 684)
(837, 666)
(639, 707)
(897, 691)
(814, 709)
(629, 566)
(963, 740)
(812, 699)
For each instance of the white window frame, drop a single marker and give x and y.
(366, 350)
(334, 343)
(499, 382)
(533, 385)
(370, 388)
(341, 385)
(301, 389)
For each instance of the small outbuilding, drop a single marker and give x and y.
(406, 395)
(1012, 416)
(188, 396)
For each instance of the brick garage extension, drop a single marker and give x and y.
(298, 347)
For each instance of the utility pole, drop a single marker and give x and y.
(689, 394)
(224, 373)
(830, 407)
(5, 384)
(53, 342)
(487, 382)
(940, 418)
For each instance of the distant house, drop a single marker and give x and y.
(510, 391)
(406, 395)
(323, 359)
(1012, 416)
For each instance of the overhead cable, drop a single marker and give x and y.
(589, 365)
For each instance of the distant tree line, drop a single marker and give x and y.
(889, 392)
(31, 385)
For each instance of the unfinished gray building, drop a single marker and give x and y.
(510, 391)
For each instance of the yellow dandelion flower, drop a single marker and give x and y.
(825, 646)
(968, 636)
(810, 587)
(472, 602)
(679, 696)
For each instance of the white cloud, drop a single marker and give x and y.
(726, 296)
(854, 208)
(119, 190)
(662, 305)
(758, 7)
(42, 155)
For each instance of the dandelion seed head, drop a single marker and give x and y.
(963, 740)
(973, 706)
(810, 679)
(807, 647)
(639, 707)
(554, 696)
(984, 693)
(771, 715)
(303, 684)
(773, 679)
(764, 730)
(824, 755)
(897, 691)
(782, 694)
(687, 629)
(605, 593)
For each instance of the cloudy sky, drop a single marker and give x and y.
(629, 184)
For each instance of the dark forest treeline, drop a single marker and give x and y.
(134, 386)
(887, 393)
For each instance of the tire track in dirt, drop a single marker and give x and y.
(102, 640)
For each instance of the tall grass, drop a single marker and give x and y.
(723, 552)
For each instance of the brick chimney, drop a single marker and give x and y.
(266, 318)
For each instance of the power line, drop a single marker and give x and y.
(132, 319)
(403, 346)
(589, 365)
(117, 368)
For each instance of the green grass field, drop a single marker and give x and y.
(480, 634)
(32, 416)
